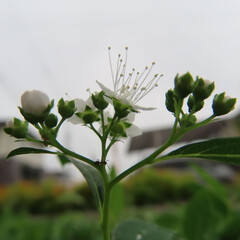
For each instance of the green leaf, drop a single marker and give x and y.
(63, 159)
(213, 184)
(28, 150)
(141, 230)
(225, 150)
(117, 202)
(92, 177)
(204, 214)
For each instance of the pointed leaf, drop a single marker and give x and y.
(28, 150)
(141, 230)
(117, 202)
(63, 159)
(92, 177)
(225, 150)
(204, 214)
(212, 183)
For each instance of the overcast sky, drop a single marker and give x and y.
(60, 46)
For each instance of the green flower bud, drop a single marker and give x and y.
(17, 128)
(223, 105)
(192, 103)
(121, 109)
(51, 120)
(203, 89)
(66, 108)
(118, 129)
(169, 101)
(88, 116)
(184, 85)
(188, 122)
(99, 101)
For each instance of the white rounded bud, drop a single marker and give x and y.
(34, 102)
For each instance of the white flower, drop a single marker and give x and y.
(133, 131)
(132, 88)
(34, 102)
(80, 105)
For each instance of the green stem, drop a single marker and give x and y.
(56, 144)
(106, 204)
(95, 131)
(144, 162)
(59, 125)
(104, 139)
(102, 121)
(175, 136)
(148, 160)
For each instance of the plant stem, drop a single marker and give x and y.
(175, 136)
(144, 162)
(106, 204)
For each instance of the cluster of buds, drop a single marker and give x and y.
(197, 92)
(36, 108)
(94, 110)
(128, 89)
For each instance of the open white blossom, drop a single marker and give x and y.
(80, 105)
(130, 88)
(133, 131)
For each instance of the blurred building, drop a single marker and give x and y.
(223, 128)
(22, 167)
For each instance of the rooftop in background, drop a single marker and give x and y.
(155, 138)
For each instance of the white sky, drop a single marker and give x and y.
(60, 46)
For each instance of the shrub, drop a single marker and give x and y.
(153, 186)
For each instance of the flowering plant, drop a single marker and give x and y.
(123, 98)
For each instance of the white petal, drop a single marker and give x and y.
(106, 90)
(89, 102)
(130, 117)
(75, 120)
(133, 131)
(80, 104)
(34, 102)
(108, 99)
(106, 116)
(143, 108)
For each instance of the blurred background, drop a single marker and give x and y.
(60, 47)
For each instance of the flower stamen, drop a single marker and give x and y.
(131, 87)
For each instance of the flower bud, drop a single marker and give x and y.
(193, 104)
(66, 108)
(184, 85)
(118, 129)
(203, 89)
(51, 120)
(99, 101)
(223, 105)
(169, 101)
(17, 128)
(35, 106)
(121, 109)
(188, 121)
(88, 116)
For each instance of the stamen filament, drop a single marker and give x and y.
(132, 88)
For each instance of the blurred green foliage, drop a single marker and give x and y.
(45, 198)
(173, 200)
(150, 186)
(64, 227)
(154, 186)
